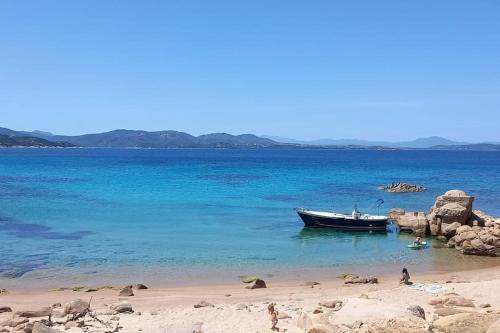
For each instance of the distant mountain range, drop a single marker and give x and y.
(123, 138)
(417, 143)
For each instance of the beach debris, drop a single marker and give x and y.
(140, 286)
(43, 312)
(364, 280)
(5, 309)
(402, 188)
(417, 311)
(121, 307)
(249, 279)
(126, 291)
(257, 284)
(76, 306)
(203, 304)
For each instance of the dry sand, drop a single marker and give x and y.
(237, 309)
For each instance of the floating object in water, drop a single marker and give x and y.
(417, 245)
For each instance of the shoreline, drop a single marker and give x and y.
(236, 309)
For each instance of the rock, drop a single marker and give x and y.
(453, 206)
(44, 312)
(310, 284)
(257, 284)
(470, 322)
(126, 291)
(121, 307)
(443, 312)
(415, 222)
(70, 324)
(76, 306)
(449, 229)
(321, 329)
(203, 304)
(330, 304)
(56, 305)
(38, 327)
(347, 275)
(417, 311)
(140, 286)
(304, 321)
(370, 279)
(394, 213)
(494, 328)
(485, 305)
(318, 310)
(3, 291)
(5, 309)
(402, 188)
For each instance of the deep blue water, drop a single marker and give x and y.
(171, 216)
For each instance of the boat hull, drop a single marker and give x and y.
(316, 221)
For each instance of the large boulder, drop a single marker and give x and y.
(412, 221)
(470, 322)
(453, 206)
(76, 306)
(38, 327)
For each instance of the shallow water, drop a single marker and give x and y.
(167, 217)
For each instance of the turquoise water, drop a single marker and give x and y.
(169, 217)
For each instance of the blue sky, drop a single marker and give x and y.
(385, 70)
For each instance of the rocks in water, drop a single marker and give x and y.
(203, 304)
(257, 284)
(140, 286)
(43, 312)
(356, 280)
(121, 307)
(453, 206)
(449, 229)
(402, 188)
(126, 291)
(76, 306)
(5, 309)
(415, 222)
(417, 311)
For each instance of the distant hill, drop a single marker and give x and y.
(123, 138)
(417, 143)
(29, 141)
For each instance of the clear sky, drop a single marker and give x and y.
(385, 70)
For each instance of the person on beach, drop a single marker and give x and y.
(274, 317)
(405, 278)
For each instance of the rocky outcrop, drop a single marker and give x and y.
(410, 221)
(453, 206)
(402, 188)
(476, 240)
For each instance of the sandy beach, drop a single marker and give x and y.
(381, 307)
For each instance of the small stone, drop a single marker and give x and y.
(417, 311)
(126, 291)
(318, 310)
(76, 306)
(121, 307)
(485, 305)
(203, 304)
(44, 312)
(257, 284)
(5, 309)
(140, 286)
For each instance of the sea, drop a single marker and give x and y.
(175, 217)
